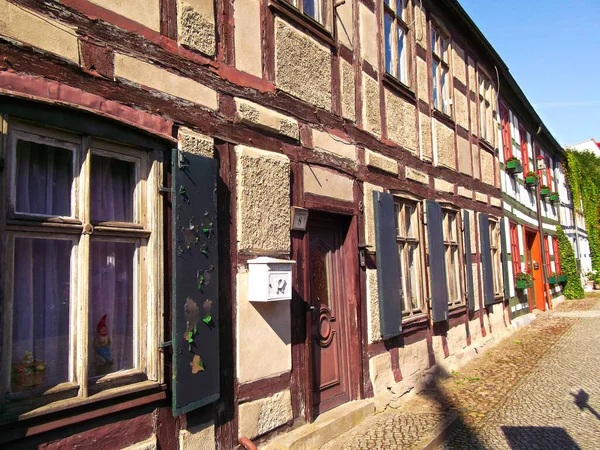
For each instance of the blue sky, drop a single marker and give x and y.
(553, 51)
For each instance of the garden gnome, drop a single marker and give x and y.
(102, 347)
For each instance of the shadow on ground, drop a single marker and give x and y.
(526, 438)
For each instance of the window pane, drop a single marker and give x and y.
(413, 278)
(403, 299)
(397, 212)
(450, 273)
(409, 212)
(402, 72)
(111, 307)
(433, 40)
(400, 10)
(40, 337)
(435, 83)
(445, 92)
(388, 44)
(112, 189)
(312, 8)
(44, 176)
(456, 273)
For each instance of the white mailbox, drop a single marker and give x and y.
(269, 279)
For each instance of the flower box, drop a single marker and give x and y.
(562, 279)
(544, 191)
(554, 197)
(522, 284)
(514, 166)
(532, 179)
(552, 280)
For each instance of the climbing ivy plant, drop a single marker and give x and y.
(582, 171)
(568, 266)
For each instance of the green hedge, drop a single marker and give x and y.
(568, 266)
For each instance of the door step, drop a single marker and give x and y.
(328, 426)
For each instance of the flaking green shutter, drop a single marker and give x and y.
(504, 256)
(388, 279)
(486, 259)
(468, 264)
(437, 262)
(195, 315)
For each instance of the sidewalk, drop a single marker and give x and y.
(463, 399)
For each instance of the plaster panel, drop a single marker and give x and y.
(263, 191)
(333, 144)
(378, 161)
(264, 346)
(257, 115)
(421, 25)
(426, 140)
(423, 80)
(461, 109)
(457, 339)
(472, 237)
(302, 66)
(471, 70)
(348, 91)
(417, 175)
(368, 190)
(344, 23)
(368, 36)
(487, 167)
(324, 182)
(481, 197)
(474, 115)
(464, 155)
(248, 55)
(400, 121)
(413, 358)
(464, 192)
(476, 164)
(196, 25)
(443, 186)
(196, 143)
(146, 74)
(371, 111)
(373, 306)
(261, 416)
(47, 34)
(145, 12)
(445, 145)
(496, 202)
(475, 280)
(459, 68)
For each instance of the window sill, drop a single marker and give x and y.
(456, 310)
(314, 28)
(443, 117)
(486, 145)
(399, 87)
(414, 320)
(15, 413)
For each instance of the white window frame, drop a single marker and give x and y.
(399, 65)
(440, 69)
(453, 256)
(404, 240)
(322, 13)
(485, 108)
(146, 231)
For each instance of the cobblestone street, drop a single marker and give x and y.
(537, 389)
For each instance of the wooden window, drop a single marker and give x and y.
(494, 231)
(82, 284)
(317, 10)
(548, 163)
(407, 215)
(452, 256)
(440, 69)
(514, 249)
(485, 108)
(506, 139)
(524, 150)
(397, 47)
(556, 254)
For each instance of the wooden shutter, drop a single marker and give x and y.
(195, 317)
(468, 264)
(437, 262)
(504, 256)
(486, 259)
(390, 300)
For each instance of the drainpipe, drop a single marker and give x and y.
(541, 231)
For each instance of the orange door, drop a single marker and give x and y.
(534, 264)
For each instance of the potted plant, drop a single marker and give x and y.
(524, 280)
(532, 178)
(553, 278)
(544, 191)
(597, 283)
(513, 165)
(28, 373)
(553, 197)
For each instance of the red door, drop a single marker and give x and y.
(328, 318)
(534, 264)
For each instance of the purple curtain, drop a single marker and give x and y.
(112, 187)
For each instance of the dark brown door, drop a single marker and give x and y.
(328, 323)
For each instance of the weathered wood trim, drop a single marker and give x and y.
(263, 388)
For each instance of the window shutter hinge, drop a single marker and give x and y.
(163, 189)
(165, 344)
